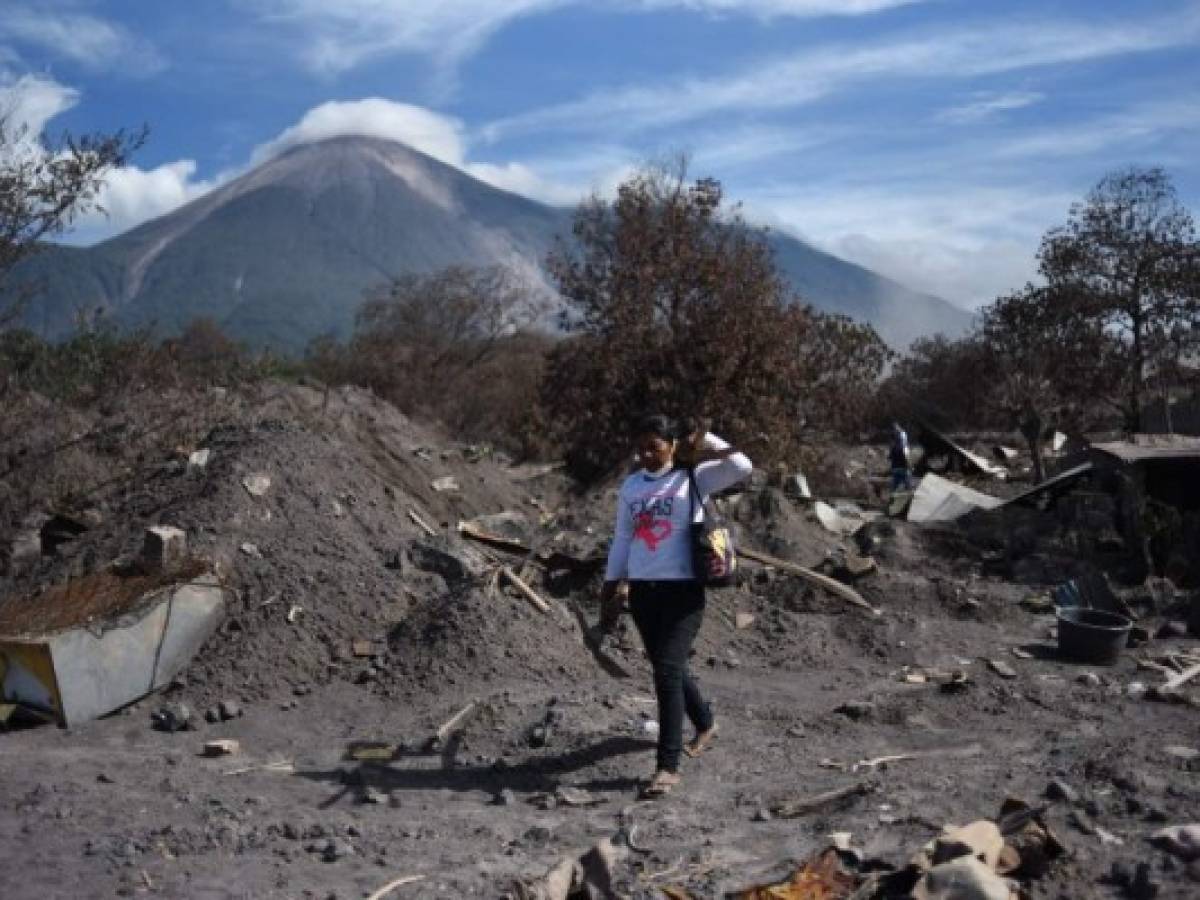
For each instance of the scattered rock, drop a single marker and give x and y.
(762, 814)
(1090, 679)
(856, 709)
(251, 550)
(222, 747)
(212, 715)
(336, 849)
(505, 797)
(445, 483)
(173, 717)
(1143, 886)
(447, 557)
(743, 620)
(1172, 629)
(373, 796)
(229, 709)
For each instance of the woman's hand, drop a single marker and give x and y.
(691, 449)
(612, 604)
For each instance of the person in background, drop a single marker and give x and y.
(652, 550)
(898, 459)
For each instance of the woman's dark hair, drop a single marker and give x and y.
(658, 425)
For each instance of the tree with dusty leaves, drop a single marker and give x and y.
(452, 346)
(1049, 364)
(944, 382)
(1128, 262)
(677, 306)
(44, 187)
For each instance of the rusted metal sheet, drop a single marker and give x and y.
(84, 672)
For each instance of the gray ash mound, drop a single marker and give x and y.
(317, 556)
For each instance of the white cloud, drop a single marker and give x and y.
(1124, 128)
(339, 36)
(804, 77)
(961, 241)
(984, 106)
(793, 8)
(132, 195)
(90, 41)
(29, 102)
(432, 133)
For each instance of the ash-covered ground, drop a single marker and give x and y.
(349, 625)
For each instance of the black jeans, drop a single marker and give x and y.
(668, 615)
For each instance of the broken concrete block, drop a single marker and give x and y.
(797, 486)
(962, 879)
(445, 483)
(1001, 668)
(981, 840)
(257, 485)
(448, 558)
(198, 460)
(223, 747)
(163, 548)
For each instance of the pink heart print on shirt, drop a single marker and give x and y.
(651, 530)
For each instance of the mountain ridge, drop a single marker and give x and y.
(286, 252)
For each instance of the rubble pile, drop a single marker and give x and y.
(405, 691)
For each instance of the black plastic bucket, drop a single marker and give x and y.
(1092, 635)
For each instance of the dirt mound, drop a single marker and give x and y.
(306, 506)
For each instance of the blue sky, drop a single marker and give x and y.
(932, 140)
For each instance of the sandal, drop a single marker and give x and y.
(660, 785)
(701, 741)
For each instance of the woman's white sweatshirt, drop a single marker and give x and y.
(652, 538)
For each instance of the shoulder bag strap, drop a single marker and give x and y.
(693, 493)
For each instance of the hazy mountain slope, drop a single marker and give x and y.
(285, 252)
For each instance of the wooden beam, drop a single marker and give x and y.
(1181, 679)
(455, 721)
(824, 581)
(530, 594)
(425, 526)
(789, 809)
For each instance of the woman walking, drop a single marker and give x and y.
(652, 550)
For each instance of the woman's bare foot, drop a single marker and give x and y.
(660, 785)
(701, 741)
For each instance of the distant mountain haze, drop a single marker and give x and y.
(285, 252)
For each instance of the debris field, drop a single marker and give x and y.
(402, 698)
